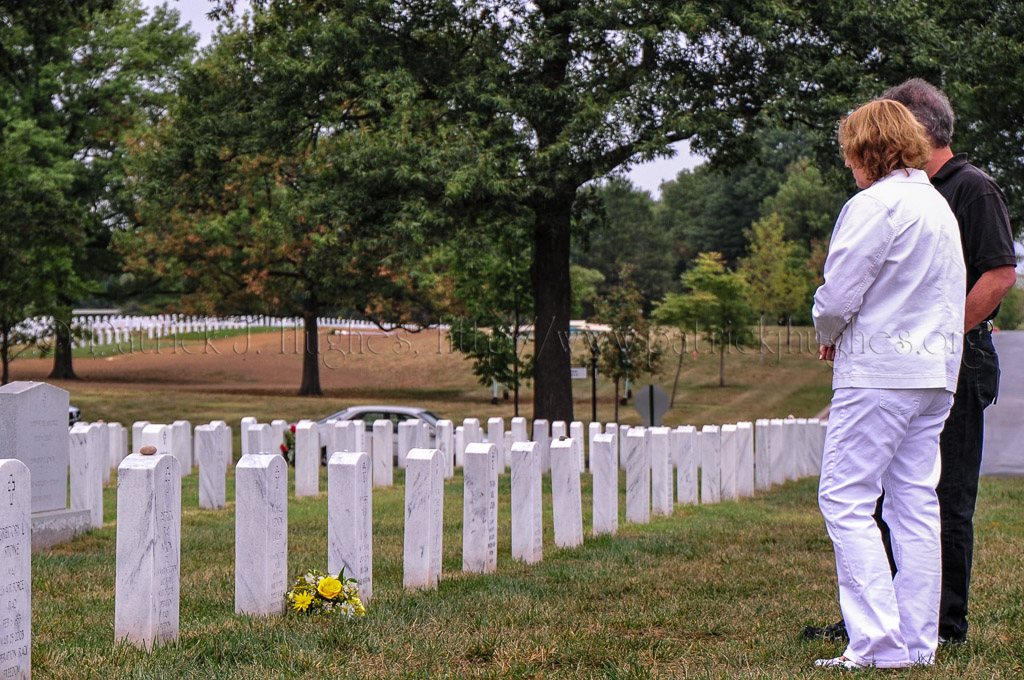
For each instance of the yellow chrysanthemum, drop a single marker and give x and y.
(329, 587)
(302, 601)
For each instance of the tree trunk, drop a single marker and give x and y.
(515, 358)
(549, 274)
(310, 358)
(63, 343)
(679, 369)
(4, 357)
(721, 365)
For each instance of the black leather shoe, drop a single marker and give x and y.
(952, 641)
(836, 631)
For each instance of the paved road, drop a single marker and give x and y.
(1004, 420)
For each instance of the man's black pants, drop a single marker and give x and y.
(960, 449)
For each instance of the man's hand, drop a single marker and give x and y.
(827, 353)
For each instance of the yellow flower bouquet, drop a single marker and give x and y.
(316, 591)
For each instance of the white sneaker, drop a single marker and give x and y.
(839, 662)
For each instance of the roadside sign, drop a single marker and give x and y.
(578, 372)
(651, 403)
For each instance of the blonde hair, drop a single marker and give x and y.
(883, 136)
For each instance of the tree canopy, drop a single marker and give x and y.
(78, 81)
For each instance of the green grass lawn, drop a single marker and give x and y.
(719, 591)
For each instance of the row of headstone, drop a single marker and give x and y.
(148, 558)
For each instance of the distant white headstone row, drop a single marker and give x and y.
(113, 329)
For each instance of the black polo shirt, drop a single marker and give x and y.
(980, 209)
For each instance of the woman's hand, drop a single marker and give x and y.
(827, 353)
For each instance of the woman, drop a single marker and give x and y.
(890, 314)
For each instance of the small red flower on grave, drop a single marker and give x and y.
(284, 449)
(293, 428)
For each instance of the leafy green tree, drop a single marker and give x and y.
(584, 289)
(627, 350)
(627, 234)
(778, 282)
(491, 281)
(571, 92)
(715, 303)
(277, 183)
(33, 243)
(805, 204)
(83, 77)
(711, 208)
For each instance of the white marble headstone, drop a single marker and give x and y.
(424, 501)
(623, 433)
(408, 439)
(224, 433)
(803, 449)
(350, 519)
(661, 471)
(762, 459)
(148, 561)
(445, 436)
(613, 430)
(593, 429)
(745, 459)
(542, 435)
(212, 478)
(480, 508)
(261, 533)
(527, 525)
(278, 426)
(518, 429)
(344, 437)
(244, 425)
(604, 467)
(116, 450)
(87, 463)
(137, 428)
(383, 452)
(566, 500)
(15, 570)
(124, 444)
(181, 445)
(307, 459)
(471, 426)
(579, 436)
(729, 462)
(638, 477)
(776, 451)
(687, 459)
(790, 449)
(460, 446)
(34, 430)
(103, 432)
(496, 435)
(261, 440)
(710, 464)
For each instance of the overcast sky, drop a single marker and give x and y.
(647, 176)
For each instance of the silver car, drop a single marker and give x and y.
(373, 413)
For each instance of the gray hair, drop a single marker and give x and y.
(930, 107)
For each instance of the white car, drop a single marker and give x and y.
(373, 413)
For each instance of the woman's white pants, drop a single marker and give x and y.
(885, 439)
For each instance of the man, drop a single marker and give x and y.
(987, 240)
